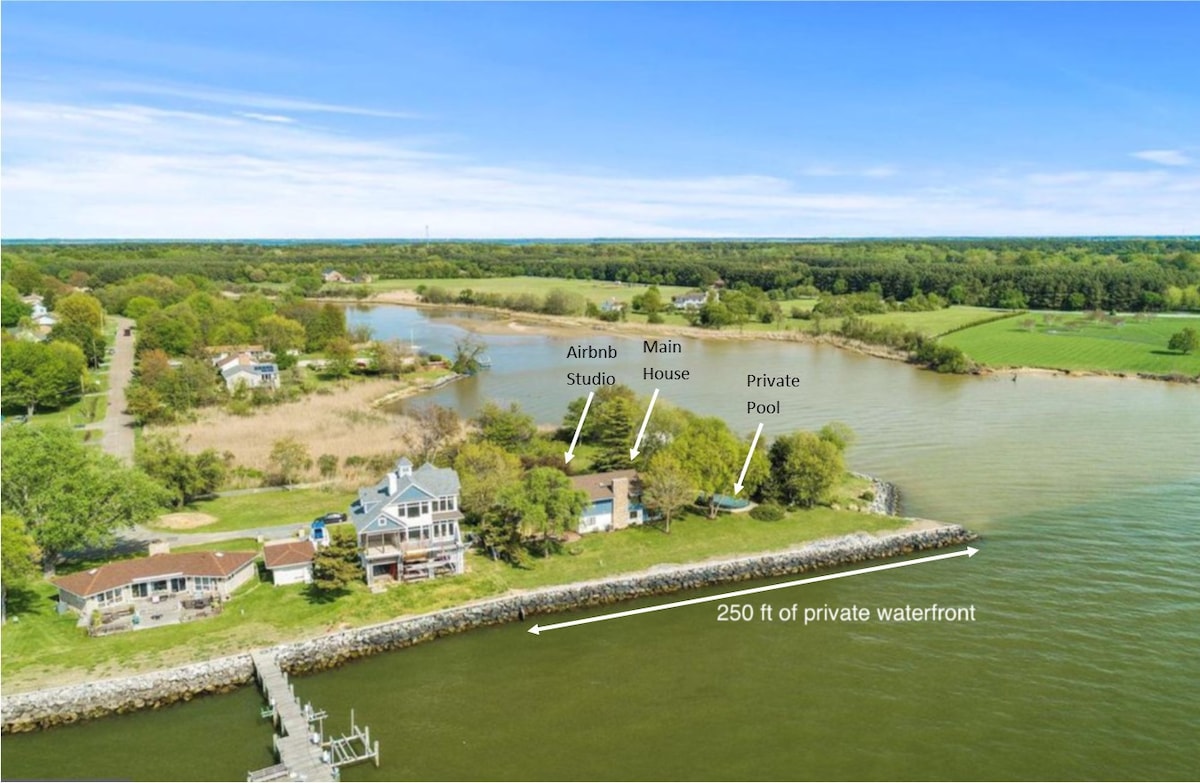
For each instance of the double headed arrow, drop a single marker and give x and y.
(538, 630)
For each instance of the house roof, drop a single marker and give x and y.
(599, 485)
(122, 572)
(425, 481)
(277, 554)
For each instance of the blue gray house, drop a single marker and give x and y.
(408, 524)
(614, 501)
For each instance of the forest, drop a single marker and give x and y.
(1118, 274)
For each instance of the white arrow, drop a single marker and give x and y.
(570, 453)
(646, 420)
(537, 630)
(737, 485)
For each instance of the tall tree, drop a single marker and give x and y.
(289, 459)
(20, 556)
(88, 339)
(12, 309)
(69, 495)
(436, 427)
(186, 476)
(544, 505)
(467, 353)
(41, 375)
(713, 456)
(667, 487)
(485, 470)
(1185, 341)
(804, 469)
(80, 308)
(337, 566)
(511, 429)
(280, 335)
(339, 357)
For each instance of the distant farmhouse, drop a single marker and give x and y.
(334, 276)
(615, 501)
(612, 305)
(408, 524)
(693, 300)
(155, 590)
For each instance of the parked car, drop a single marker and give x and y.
(333, 517)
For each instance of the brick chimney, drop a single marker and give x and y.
(620, 514)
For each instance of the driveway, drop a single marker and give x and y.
(117, 427)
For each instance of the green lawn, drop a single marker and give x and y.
(592, 290)
(262, 509)
(1072, 342)
(43, 646)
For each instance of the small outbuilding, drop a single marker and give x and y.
(290, 562)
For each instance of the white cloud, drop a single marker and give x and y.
(251, 100)
(253, 115)
(1164, 157)
(133, 171)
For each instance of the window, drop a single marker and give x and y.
(412, 510)
(109, 597)
(140, 590)
(424, 508)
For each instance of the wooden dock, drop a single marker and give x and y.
(304, 754)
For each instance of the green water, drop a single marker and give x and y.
(1083, 663)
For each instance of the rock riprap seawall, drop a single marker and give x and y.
(73, 703)
(68, 704)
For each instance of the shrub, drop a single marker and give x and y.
(767, 512)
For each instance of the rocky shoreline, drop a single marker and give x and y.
(35, 710)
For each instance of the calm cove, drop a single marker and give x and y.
(1083, 661)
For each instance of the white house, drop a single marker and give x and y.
(156, 580)
(407, 524)
(244, 369)
(615, 501)
(690, 301)
(290, 562)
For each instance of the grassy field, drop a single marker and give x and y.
(44, 647)
(263, 509)
(592, 290)
(1072, 342)
(937, 322)
(338, 419)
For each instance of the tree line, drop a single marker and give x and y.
(1110, 274)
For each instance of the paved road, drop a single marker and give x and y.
(117, 427)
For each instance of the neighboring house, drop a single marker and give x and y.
(334, 276)
(615, 501)
(407, 524)
(690, 301)
(364, 278)
(33, 300)
(243, 369)
(290, 562)
(41, 316)
(222, 353)
(156, 580)
(612, 306)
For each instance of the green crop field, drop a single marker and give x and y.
(1073, 342)
(592, 290)
(936, 322)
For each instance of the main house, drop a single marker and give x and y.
(408, 524)
(156, 580)
(615, 501)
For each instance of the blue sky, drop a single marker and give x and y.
(314, 120)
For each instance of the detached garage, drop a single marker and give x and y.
(290, 562)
